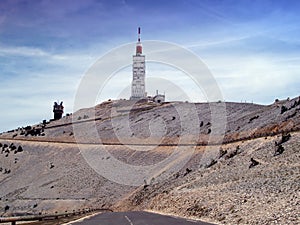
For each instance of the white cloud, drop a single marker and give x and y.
(39, 79)
(257, 78)
(22, 51)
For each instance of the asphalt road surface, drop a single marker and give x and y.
(136, 218)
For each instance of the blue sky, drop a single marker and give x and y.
(251, 47)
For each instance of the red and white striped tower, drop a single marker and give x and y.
(139, 47)
(138, 72)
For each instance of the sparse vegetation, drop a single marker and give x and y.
(294, 105)
(228, 175)
(284, 138)
(222, 153)
(291, 116)
(253, 118)
(6, 208)
(212, 162)
(279, 150)
(253, 163)
(187, 171)
(283, 109)
(51, 165)
(233, 153)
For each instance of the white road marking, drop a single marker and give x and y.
(128, 220)
(81, 219)
(193, 221)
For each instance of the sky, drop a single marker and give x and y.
(252, 48)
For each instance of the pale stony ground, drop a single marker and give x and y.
(229, 192)
(33, 186)
(149, 123)
(52, 175)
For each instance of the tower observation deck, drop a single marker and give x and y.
(138, 72)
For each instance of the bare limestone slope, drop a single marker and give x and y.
(121, 121)
(49, 177)
(48, 173)
(228, 191)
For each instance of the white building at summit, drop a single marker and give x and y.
(138, 70)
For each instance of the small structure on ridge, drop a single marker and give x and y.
(58, 110)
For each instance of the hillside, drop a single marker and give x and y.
(227, 191)
(49, 172)
(115, 120)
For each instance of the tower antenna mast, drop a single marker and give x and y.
(138, 71)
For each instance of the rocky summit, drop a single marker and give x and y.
(243, 168)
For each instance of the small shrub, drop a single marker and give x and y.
(6, 208)
(222, 152)
(232, 154)
(291, 116)
(28, 128)
(212, 162)
(253, 118)
(285, 137)
(283, 109)
(279, 150)
(187, 171)
(12, 147)
(253, 163)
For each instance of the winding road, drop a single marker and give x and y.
(135, 218)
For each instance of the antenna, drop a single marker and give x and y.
(139, 34)
(139, 48)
